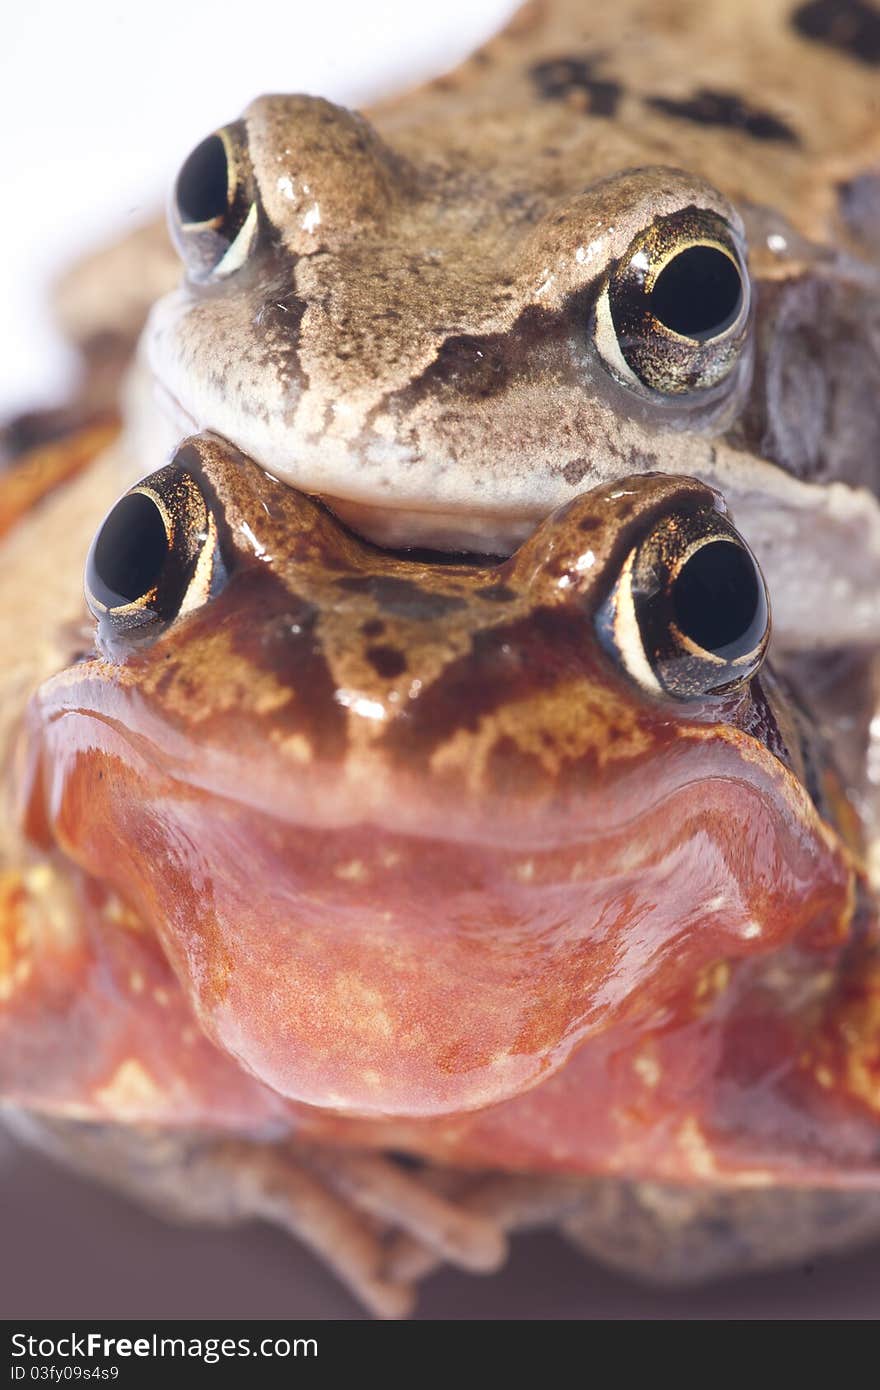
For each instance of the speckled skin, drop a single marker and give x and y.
(352, 731)
(414, 332)
(377, 852)
(417, 330)
(371, 852)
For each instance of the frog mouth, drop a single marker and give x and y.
(374, 950)
(480, 536)
(413, 886)
(403, 526)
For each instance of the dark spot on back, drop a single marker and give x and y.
(589, 523)
(374, 627)
(850, 26)
(558, 78)
(387, 662)
(706, 107)
(575, 471)
(402, 598)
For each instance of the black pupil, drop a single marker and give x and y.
(203, 182)
(698, 294)
(719, 600)
(129, 553)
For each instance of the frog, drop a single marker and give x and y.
(445, 316)
(407, 901)
(607, 242)
(446, 319)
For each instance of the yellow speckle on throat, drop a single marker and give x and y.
(131, 1093)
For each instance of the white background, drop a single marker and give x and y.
(100, 103)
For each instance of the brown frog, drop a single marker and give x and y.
(607, 243)
(629, 883)
(528, 871)
(611, 242)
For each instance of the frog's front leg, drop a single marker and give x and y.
(345, 1208)
(664, 1233)
(842, 692)
(676, 1235)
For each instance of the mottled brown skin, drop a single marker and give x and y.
(388, 853)
(368, 851)
(413, 330)
(416, 328)
(360, 733)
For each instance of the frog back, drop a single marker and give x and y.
(776, 102)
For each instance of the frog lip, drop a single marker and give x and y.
(116, 717)
(400, 525)
(390, 903)
(173, 409)
(478, 536)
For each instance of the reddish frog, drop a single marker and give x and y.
(528, 869)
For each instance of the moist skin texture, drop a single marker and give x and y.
(418, 330)
(365, 853)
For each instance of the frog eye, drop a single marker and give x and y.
(213, 214)
(674, 314)
(154, 557)
(689, 615)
